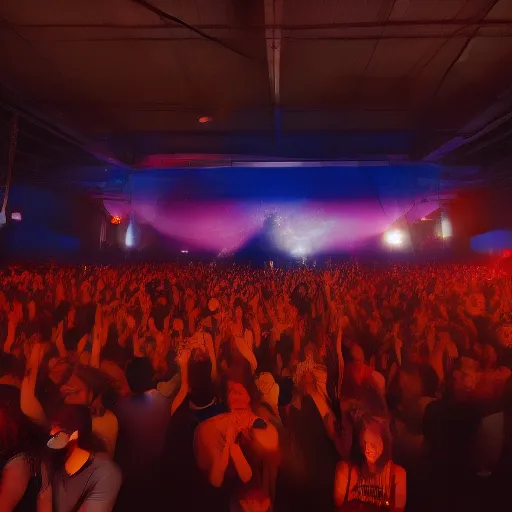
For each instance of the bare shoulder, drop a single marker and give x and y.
(342, 468)
(400, 473)
(342, 474)
(19, 463)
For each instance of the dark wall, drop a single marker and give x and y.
(60, 222)
(480, 211)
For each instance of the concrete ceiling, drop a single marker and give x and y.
(124, 79)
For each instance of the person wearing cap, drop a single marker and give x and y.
(77, 478)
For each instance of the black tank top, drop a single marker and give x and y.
(370, 494)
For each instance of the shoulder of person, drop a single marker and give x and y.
(19, 462)
(342, 469)
(400, 474)
(105, 467)
(342, 477)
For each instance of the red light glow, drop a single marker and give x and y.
(116, 220)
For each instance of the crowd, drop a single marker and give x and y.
(224, 388)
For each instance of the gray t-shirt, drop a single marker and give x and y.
(93, 489)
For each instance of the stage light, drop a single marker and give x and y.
(184, 251)
(16, 216)
(129, 239)
(299, 252)
(446, 227)
(205, 119)
(116, 220)
(394, 238)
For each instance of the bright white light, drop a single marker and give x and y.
(129, 239)
(184, 251)
(394, 238)
(446, 227)
(299, 251)
(16, 216)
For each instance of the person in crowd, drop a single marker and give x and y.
(143, 418)
(77, 476)
(375, 482)
(260, 389)
(19, 475)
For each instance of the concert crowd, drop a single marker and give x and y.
(215, 387)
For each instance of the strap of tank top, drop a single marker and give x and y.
(347, 490)
(392, 482)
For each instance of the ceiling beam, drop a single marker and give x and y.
(273, 36)
(490, 119)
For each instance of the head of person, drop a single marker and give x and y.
(240, 389)
(374, 442)
(357, 354)
(72, 339)
(239, 310)
(486, 355)
(254, 500)
(85, 386)
(11, 370)
(201, 386)
(139, 375)
(71, 427)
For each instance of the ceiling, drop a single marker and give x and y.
(125, 79)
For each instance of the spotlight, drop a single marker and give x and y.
(129, 239)
(116, 220)
(205, 119)
(446, 227)
(184, 251)
(299, 251)
(16, 216)
(394, 238)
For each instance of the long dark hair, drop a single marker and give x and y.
(10, 435)
(380, 425)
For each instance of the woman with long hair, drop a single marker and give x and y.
(18, 483)
(238, 447)
(242, 338)
(373, 482)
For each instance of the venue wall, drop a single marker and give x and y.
(57, 222)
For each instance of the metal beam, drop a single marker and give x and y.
(17, 104)
(490, 119)
(273, 36)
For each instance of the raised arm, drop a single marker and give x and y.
(30, 405)
(96, 338)
(341, 361)
(211, 353)
(11, 331)
(183, 391)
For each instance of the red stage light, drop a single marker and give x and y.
(205, 119)
(115, 220)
